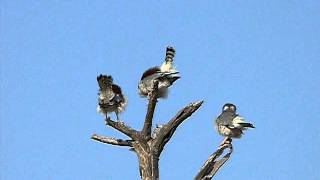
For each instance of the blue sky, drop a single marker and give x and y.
(264, 56)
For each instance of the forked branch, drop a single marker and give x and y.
(166, 132)
(212, 165)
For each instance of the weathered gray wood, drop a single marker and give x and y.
(112, 141)
(146, 130)
(212, 165)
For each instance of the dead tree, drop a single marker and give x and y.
(146, 144)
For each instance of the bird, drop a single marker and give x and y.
(110, 97)
(230, 124)
(166, 75)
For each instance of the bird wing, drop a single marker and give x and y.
(239, 122)
(118, 97)
(150, 72)
(116, 89)
(155, 73)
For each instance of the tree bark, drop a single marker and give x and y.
(212, 165)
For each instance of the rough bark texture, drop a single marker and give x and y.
(146, 144)
(212, 165)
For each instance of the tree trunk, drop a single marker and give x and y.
(148, 165)
(148, 160)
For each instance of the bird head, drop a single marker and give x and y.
(229, 107)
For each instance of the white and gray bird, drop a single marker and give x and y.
(110, 97)
(166, 75)
(230, 124)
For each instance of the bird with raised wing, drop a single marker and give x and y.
(166, 75)
(230, 124)
(110, 97)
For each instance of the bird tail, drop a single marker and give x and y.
(104, 81)
(247, 125)
(172, 79)
(170, 54)
(170, 76)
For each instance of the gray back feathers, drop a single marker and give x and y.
(226, 118)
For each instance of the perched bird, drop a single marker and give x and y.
(230, 124)
(166, 75)
(110, 97)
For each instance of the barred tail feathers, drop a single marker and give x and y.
(170, 54)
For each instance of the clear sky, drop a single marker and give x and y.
(264, 56)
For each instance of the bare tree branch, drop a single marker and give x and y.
(146, 131)
(122, 127)
(166, 132)
(212, 165)
(148, 149)
(112, 141)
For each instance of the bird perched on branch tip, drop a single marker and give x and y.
(110, 97)
(230, 124)
(166, 75)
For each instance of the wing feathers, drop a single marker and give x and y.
(239, 122)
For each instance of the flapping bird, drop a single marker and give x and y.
(230, 124)
(166, 75)
(110, 96)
